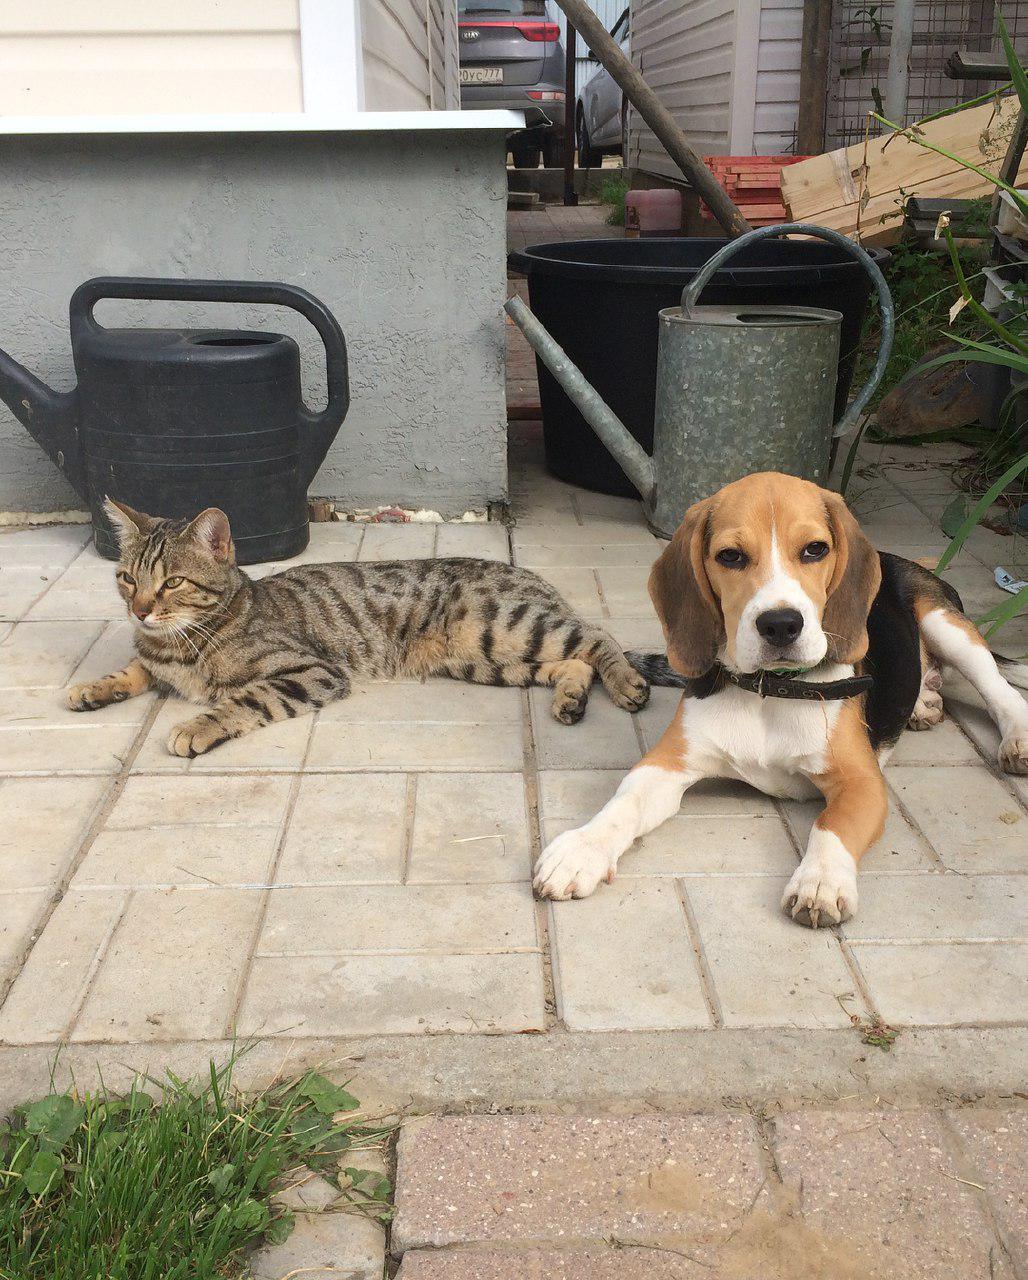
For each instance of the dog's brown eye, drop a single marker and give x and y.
(814, 551)
(172, 583)
(731, 558)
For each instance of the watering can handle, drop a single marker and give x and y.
(270, 293)
(692, 291)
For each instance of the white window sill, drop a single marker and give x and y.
(283, 122)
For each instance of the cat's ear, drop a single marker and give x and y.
(127, 523)
(211, 530)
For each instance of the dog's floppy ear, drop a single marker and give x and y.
(682, 596)
(854, 585)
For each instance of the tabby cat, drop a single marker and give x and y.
(259, 651)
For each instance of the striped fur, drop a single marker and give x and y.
(259, 651)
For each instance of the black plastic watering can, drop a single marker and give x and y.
(174, 420)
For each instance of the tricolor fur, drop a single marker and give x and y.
(774, 573)
(259, 651)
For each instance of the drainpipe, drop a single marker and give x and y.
(898, 78)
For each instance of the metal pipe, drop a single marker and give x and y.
(570, 195)
(898, 77)
(656, 115)
(626, 450)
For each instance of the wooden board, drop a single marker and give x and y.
(828, 189)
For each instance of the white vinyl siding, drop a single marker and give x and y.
(116, 57)
(778, 77)
(685, 51)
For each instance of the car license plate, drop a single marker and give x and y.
(481, 75)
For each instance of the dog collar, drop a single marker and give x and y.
(770, 684)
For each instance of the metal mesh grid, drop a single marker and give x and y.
(860, 55)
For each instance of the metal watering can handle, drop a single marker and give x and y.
(692, 291)
(268, 292)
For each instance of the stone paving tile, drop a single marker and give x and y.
(577, 795)
(604, 739)
(413, 541)
(942, 744)
(187, 856)
(767, 970)
(579, 538)
(658, 713)
(43, 822)
(46, 546)
(44, 653)
(483, 541)
(21, 586)
(964, 704)
(624, 591)
(623, 960)
(346, 828)
(558, 552)
(19, 914)
(280, 746)
(533, 1178)
(323, 1245)
(429, 702)
(189, 985)
(901, 848)
(393, 995)
(972, 821)
(577, 584)
(939, 908)
(595, 1262)
(86, 589)
(885, 1182)
(331, 541)
(58, 748)
(637, 633)
(470, 827)
(996, 1154)
(333, 920)
(945, 984)
(415, 745)
(227, 801)
(47, 993)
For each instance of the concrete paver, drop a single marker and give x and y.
(995, 1150)
(324, 1245)
(946, 983)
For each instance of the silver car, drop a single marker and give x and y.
(511, 57)
(601, 109)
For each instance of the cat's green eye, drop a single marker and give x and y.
(172, 583)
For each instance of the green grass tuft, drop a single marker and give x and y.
(98, 1187)
(613, 192)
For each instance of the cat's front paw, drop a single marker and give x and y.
(194, 737)
(95, 694)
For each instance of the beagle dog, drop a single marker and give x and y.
(804, 653)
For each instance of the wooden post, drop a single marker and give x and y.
(814, 57)
(570, 195)
(657, 116)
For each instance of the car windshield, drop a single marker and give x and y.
(507, 8)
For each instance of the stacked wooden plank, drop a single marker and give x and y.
(863, 188)
(754, 183)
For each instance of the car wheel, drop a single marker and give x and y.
(525, 154)
(553, 150)
(588, 156)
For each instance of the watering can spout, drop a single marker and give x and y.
(629, 454)
(49, 416)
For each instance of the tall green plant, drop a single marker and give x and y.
(1004, 343)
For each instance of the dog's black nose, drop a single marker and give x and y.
(780, 627)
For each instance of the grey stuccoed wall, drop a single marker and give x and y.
(402, 235)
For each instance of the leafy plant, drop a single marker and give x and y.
(613, 192)
(1003, 342)
(101, 1187)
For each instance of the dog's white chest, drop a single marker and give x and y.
(774, 744)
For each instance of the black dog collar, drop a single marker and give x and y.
(770, 684)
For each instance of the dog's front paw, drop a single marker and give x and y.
(823, 888)
(95, 694)
(571, 867)
(1013, 753)
(194, 737)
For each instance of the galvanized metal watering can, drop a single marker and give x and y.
(739, 389)
(175, 420)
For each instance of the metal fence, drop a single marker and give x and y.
(860, 55)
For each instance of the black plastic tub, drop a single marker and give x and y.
(600, 298)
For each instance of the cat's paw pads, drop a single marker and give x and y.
(194, 737)
(94, 694)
